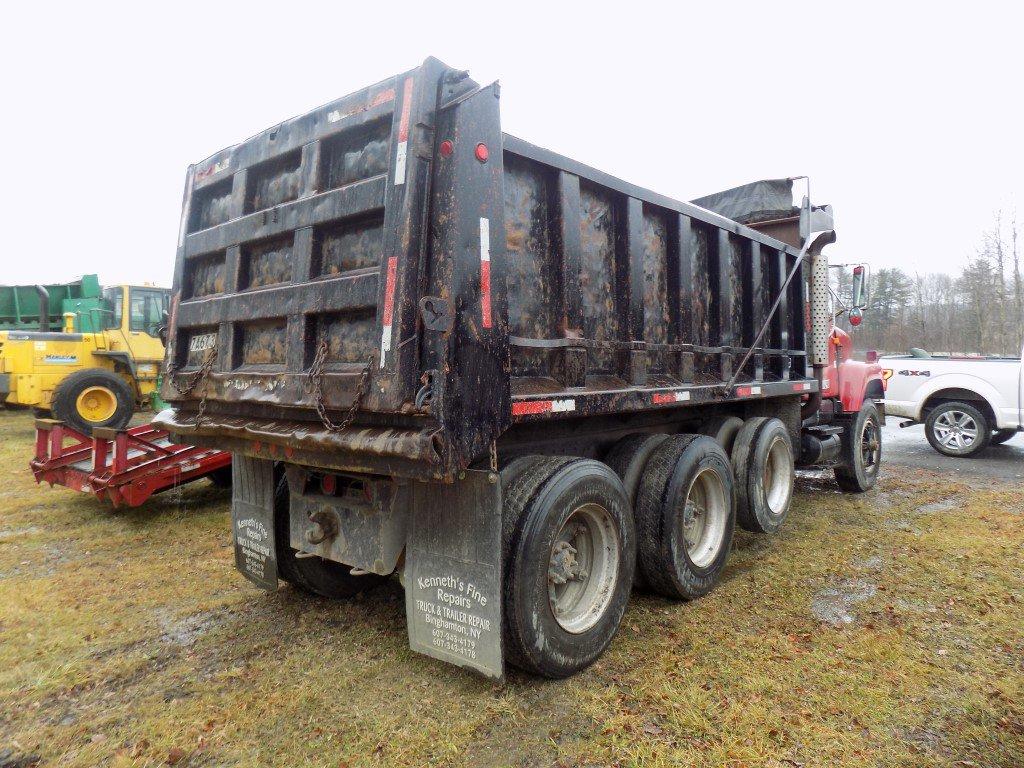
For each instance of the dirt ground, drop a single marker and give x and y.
(884, 629)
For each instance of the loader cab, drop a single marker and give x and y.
(132, 318)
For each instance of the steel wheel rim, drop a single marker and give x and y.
(96, 404)
(705, 517)
(870, 445)
(778, 476)
(583, 568)
(956, 430)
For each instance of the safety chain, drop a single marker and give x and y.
(315, 384)
(193, 380)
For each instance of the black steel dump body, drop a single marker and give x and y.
(441, 286)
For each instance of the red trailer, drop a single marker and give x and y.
(122, 466)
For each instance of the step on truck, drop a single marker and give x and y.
(516, 382)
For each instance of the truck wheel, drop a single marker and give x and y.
(762, 462)
(1000, 436)
(93, 398)
(569, 562)
(723, 430)
(860, 451)
(686, 513)
(957, 429)
(628, 458)
(312, 574)
(221, 478)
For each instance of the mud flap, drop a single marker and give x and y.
(453, 572)
(252, 520)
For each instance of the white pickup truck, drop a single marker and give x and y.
(966, 403)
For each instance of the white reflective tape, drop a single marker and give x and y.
(485, 239)
(681, 396)
(563, 405)
(824, 384)
(385, 343)
(400, 163)
(755, 390)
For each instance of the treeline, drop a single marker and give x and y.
(978, 311)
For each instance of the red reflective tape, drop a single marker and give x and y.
(660, 398)
(403, 123)
(530, 407)
(742, 391)
(485, 293)
(802, 386)
(389, 290)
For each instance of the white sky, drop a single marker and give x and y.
(906, 116)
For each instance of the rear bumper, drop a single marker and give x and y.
(413, 453)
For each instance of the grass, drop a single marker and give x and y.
(127, 639)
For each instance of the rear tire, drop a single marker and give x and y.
(723, 430)
(315, 575)
(93, 398)
(221, 478)
(957, 429)
(860, 450)
(1000, 436)
(569, 553)
(686, 514)
(762, 462)
(628, 459)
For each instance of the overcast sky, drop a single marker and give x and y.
(906, 116)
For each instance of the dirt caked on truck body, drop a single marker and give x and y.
(441, 351)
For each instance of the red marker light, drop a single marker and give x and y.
(328, 484)
(858, 270)
(856, 316)
(481, 152)
(447, 148)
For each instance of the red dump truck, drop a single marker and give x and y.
(516, 382)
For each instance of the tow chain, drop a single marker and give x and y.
(193, 380)
(315, 385)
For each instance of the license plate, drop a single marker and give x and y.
(202, 342)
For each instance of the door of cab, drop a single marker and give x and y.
(141, 324)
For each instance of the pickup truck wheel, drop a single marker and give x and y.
(860, 450)
(762, 462)
(93, 398)
(686, 514)
(957, 429)
(569, 563)
(315, 575)
(1000, 436)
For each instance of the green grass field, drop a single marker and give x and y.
(885, 629)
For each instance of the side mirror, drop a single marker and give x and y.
(859, 286)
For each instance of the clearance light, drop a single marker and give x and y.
(447, 148)
(481, 152)
(856, 316)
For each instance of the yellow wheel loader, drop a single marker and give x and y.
(95, 370)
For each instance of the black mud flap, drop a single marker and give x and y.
(252, 520)
(453, 572)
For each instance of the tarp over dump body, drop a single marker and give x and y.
(463, 281)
